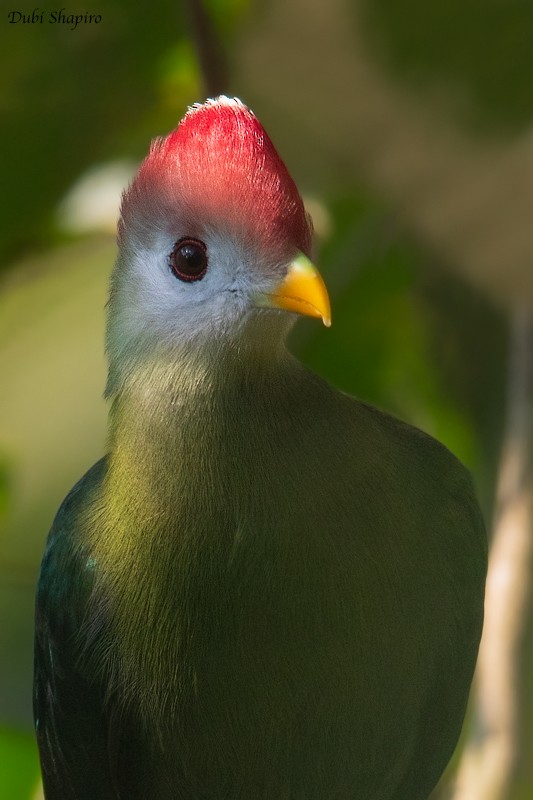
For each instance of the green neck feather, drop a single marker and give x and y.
(186, 438)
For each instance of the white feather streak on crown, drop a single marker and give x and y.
(213, 102)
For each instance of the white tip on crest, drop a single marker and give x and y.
(214, 102)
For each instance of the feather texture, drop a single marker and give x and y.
(267, 589)
(222, 165)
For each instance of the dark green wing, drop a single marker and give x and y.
(70, 721)
(445, 708)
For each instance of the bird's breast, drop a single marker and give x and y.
(273, 594)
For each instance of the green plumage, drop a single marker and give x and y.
(266, 590)
(286, 591)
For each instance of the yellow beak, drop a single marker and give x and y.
(302, 290)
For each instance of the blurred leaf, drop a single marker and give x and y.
(19, 765)
(468, 343)
(227, 14)
(70, 98)
(473, 52)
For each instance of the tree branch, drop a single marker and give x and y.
(488, 762)
(208, 48)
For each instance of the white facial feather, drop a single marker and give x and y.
(216, 178)
(152, 309)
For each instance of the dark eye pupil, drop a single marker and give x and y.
(191, 256)
(188, 260)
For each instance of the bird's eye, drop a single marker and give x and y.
(188, 260)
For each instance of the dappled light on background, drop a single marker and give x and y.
(93, 203)
(38, 794)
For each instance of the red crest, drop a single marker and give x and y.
(221, 170)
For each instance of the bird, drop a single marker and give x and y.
(266, 589)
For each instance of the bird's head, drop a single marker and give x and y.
(214, 243)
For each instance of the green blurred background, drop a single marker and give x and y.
(407, 126)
